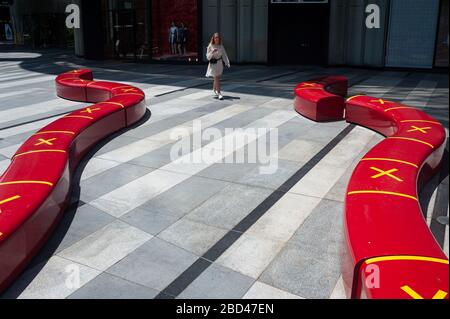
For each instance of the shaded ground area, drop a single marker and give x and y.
(141, 226)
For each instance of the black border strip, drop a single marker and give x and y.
(179, 284)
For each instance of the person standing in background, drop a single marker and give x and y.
(182, 39)
(217, 57)
(173, 38)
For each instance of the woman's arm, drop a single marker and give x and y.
(209, 53)
(225, 57)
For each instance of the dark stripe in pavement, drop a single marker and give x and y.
(178, 285)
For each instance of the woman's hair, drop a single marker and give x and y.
(212, 38)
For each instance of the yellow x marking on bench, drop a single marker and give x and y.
(386, 173)
(10, 199)
(128, 90)
(420, 129)
(89, 110)
(411, 292)
(308, 84)
(44, 141)
(381, 101)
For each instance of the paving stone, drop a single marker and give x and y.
(106, 286)
(217, 282)
(155, 264)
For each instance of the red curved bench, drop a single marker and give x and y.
(35, 188)
(384, 224)
(322, 99)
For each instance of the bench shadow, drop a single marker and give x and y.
(438, 184)
(231, 98)
(50, 247)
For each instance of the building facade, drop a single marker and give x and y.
(410, 34)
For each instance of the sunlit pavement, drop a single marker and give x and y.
(222, 231)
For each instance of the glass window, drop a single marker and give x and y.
(175, 30)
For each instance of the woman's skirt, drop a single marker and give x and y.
(215, 69)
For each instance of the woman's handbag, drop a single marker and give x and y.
(214, 61)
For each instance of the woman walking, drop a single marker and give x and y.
(217, 57)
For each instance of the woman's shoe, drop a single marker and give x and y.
(215, 93)
(220, 96)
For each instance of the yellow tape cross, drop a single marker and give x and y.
(385, 173)
(420, 129)
(381, 101)
(78, 117)
(140, 94)
(440, 294)
(44, 141)
(90, 110)
(128, 90)
(10, 199)
(308, 84)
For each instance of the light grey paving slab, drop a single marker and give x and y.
(155, 264)
(201, 237)
(115, 143)
(298, 271)
(339, 290)
(256, 248)
(260, 290)
(218, 282)
(322, 134)
(250, 255)
(186, 196)
(299, 150)
(155, 159)
(84, 222)
(96, 166)
(243, 119)
(111, 179)
(55, 279)
(311, 259)
(4, 165)
(152, 220)
(322, 230)
(106, 246)
(230, 172)
(132, 195)
(106, 286)
(154, 128)
(280, 172)
(228, 207)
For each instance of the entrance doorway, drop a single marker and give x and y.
(298, 33)
(6, 31)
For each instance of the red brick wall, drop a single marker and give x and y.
(166, 11)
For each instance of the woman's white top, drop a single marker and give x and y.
(217, 68)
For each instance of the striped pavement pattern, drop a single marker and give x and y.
(141, 219)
